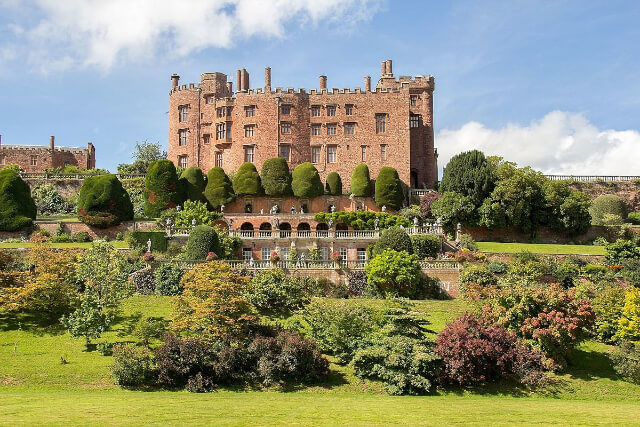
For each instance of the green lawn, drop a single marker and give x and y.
(36, 388)
(5, 245)
(539, 248)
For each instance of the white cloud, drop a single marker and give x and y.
(100, 33)
(559, 143)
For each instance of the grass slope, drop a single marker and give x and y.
(539, 248)
(36, 388)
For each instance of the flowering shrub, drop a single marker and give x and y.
(211, 256)
(195, 210)
(275, 291)
(475, 351)
(336, 256)
(144, 281)
(629, 323)
(131, 365)
(394, 273)
(275, 257)
(426, 201)
(148, 257)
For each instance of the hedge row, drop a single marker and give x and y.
(139, 239)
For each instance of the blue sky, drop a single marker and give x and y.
(553, 84)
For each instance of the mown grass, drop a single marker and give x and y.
(71, 245)
(36, 388)
(539, 248)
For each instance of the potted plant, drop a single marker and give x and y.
(336, 257)
(211, 256)
(274, 258)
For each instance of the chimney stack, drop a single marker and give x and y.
(323, 82)
(389, 67)
(239, 80)
(383, 68)
(267, 79)
(230, 88)
(245, 80)
(174, 80)
(52, 142)
(367, 83)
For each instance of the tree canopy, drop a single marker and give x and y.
(276, 178)
(246, 181)
(470, 174)
(17, 208)
(219, 190)
(306, 181)
(389, 191)
(360, 181)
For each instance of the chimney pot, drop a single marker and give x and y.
(389, 67)
(267, 79)
(175, 79)
(383, 68)
(323, 82)
(52, 142)
(245, 80)
(239, 80)
(367, 83)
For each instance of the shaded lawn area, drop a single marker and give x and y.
(540, 248)
(72, 245)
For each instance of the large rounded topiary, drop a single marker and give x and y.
(246, 180)
(393, 238)
(202, 240)
(360, 181)
(306, 181)
(219, 190)
(607, 208)
(103, 202)
(334, 184)
(276, 178)
(192, 180)
(469, 174)
(389, 188)
(17, 208)
(162, 189)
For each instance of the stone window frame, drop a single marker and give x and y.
(229, 109)
(413, 100)
(363, 152)
(332, 128)
(183, 160)
(206, 138)
(219, 159)
(348, 109)
(317, 149)
(183, 113)
(183, 137)
(332, 154)
(285, 128)
(266, 251)
(221, 112)
(316, 110)
(343, 253)
(285, 109)
(287, 146)
(361, 254)
(249, 130)
(349, 128)
(249, 110)
(209, 99)
(414, 121)
(249, 153)
(331, 110)
(316, 129)
(33, 160)
(247, 254)
(383, 152)
(221, 131)
(381, 122)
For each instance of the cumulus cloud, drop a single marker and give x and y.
(559, 143)
(99, 33)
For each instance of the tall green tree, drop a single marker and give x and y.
(470, 174)
(361, 181)
(276, 178)
(568, 210)
(389, 190)
(334, 184)
(246, 181)
(103, 202)
(219, 190)
(306, 181)
(145, 154)
(163, 190)
(193, 182)
(17, 208)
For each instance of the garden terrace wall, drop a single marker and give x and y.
(71, 227)
(314, 205)
(629, 191)
(543, 235)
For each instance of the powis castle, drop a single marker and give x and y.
(390, 124)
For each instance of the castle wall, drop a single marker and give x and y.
(46, 157)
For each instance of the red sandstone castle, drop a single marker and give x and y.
(37, 158)
(388, 125)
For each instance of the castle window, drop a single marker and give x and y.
(182, 137)
(221, 111)
(285, 152)
(248, 130)
(383, 152)
(219, 160)
(413, 100)
(220, 131)
(250, 110)
(348, 109)
(285, 127)
(210, 99)
(183, 111)
(332, 128)
(229, 110)
(33, 160)
(266, 254)
(331, 110)
(228, 130)
(315, 154)
(285, 109)
(414, 120)
(343, 253)
(247, 254)
(332, 154)
(315, 130)
(362, 254)
(381, 123)
(182, 161)
(364, 153)
(206, 138)
(248, 154)
(349, 128)
(315, 111)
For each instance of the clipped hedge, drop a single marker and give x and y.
(361, 181)
(426, 246)
(138, 240)
(364, 220)
(192, 180)
(393, 238)
(17, 208)
(246, 180)
(334, 184)
(219, 190)
(607, 205)
(103, 202)
(306, 181)
(162, 190)
(389, 191)
(276, 178)
(202, 240)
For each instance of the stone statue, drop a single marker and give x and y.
(221, 208)
(178, 208)
(149, 245)
(230, 223)
(277, 222)
(332, 208)
(301, 209)
(384, 208)
(330, 223)
(261, 211)
(415, 221)
(293, 210)
(376, 223)
(194, 222)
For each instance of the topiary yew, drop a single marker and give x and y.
(334, 184)
(202, 240)
(276, 178)
(17, 208)
(219, 190)
(246, 180)
(389, 188)
(607, 205)
(192, 180)
(360, 181)
(306, 181)
(394, 238)
(162, 190)
(103, 202)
